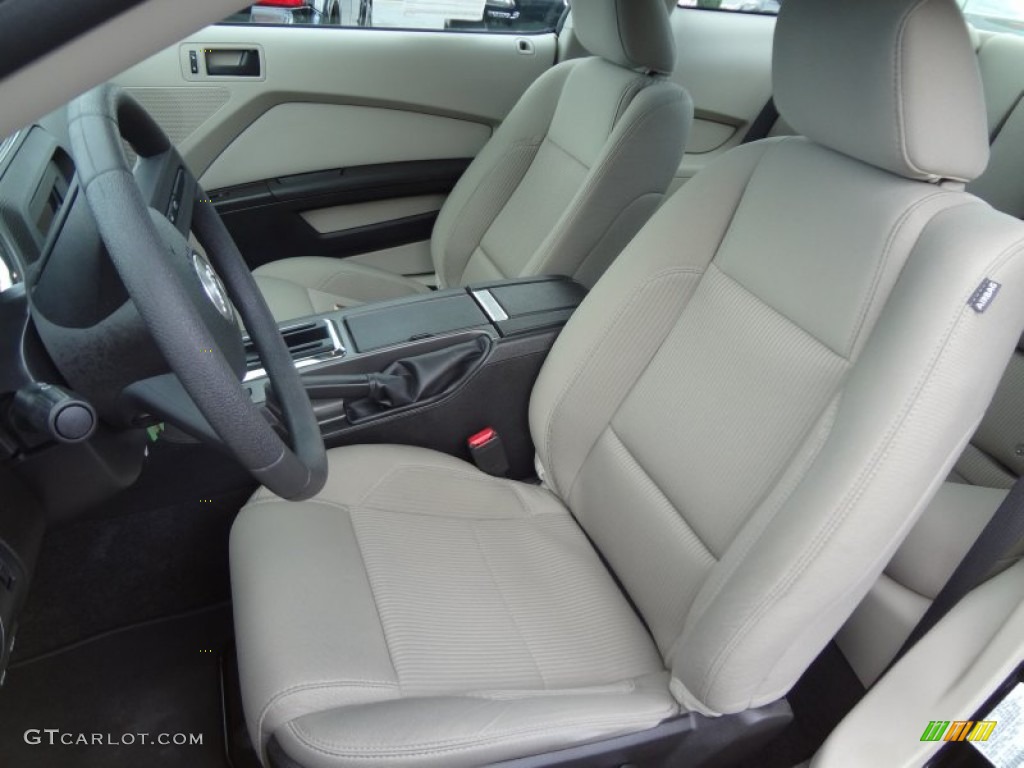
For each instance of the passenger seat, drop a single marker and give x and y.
(574, 171)
(994, 458)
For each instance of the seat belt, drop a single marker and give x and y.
(997, 538)
(763, 123)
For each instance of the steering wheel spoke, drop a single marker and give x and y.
(164, 397)
(168, 187)
(180, 296)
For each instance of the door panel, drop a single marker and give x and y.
(341, 217)
(300, 138)
(351, 103)
(340, 212)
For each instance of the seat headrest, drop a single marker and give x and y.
(893, 83)
(635, 34)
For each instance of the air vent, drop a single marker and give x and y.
(308, 343)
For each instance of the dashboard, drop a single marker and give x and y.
(36, 182)
(62, 305)
(36, 172)
(36, 179)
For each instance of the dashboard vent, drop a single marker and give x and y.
(307, 342)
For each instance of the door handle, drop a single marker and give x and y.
(232, 62)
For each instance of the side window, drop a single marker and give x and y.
(995, 15)
(516, 16)
(739, 6)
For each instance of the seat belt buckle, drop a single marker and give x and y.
(488, 452)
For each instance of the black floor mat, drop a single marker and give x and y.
(159, 678)
(160, 548)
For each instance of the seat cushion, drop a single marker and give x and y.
(423, 613)
(309, 285)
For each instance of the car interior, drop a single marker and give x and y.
(641, 385)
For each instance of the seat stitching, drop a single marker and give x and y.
(322, 285)
(497, 694)
(857, 489)
(571, 155)
(454, 745)
(376, 603)
(315, 686)
(630, 91)
(711, 554)
(531, 143)
(475, 476)
(466, 473)
(487, 257)
(827, 422)
(779, 313)
(862, 312)
(501, 594)
(595, 175)
(613, 227)
(897, 227)
(503, 158)
(592, 352)
(531, 511)
(624, 307)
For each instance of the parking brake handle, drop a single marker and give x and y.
(404, 382)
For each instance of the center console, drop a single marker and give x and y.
(429, 370)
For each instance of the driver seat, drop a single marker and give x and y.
(734, 432)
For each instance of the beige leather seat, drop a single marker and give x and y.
(744, 417)
(577, 167)
(994, 458)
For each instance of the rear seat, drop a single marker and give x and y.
(994, 458)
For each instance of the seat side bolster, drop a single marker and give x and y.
(836, 532)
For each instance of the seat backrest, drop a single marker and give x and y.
(994, 458)
(995, 455)
(581, 161)
(752, 406)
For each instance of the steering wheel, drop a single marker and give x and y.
(183, 302)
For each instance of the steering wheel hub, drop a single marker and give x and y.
(211, 282)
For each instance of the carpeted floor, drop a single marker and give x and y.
(158, 549)
(161, 677)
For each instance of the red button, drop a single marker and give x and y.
(482, 437)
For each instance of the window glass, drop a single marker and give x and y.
(995, 15)
(740, 6)
(519, 16)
